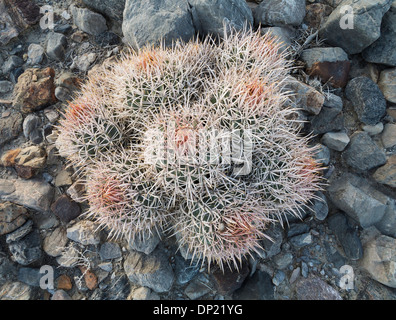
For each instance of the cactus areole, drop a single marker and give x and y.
(198, 139)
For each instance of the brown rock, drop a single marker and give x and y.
(12, 217)
(63, 282)
(336, 73)
(25, 172)
(313, 288)
(316, 14)
(32, 156)
(91, 280)
(8, 159)
(35, 90)
(66, 209)
(387, 173)
(229, 280)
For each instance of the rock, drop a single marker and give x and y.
(272, 248)
(347, 236)
(158, 20)
(313, 288)
(185, 270)
(63, 178)
(257, 287)
(55, 242)
(367, 99)
(8, 158)
(90, 278)
(76, 191)
(361, 68)
(301, 240)
(112, 9)
(278, 278)
(33, 194)
(152, 271)
(28, 249)
(60, 295)
(374, 130)
(283, 260)
(35, 54)
(8, 269)
(335, 140)
(387, 173)
(329, 64)
(65, 209)
(35, 90)
(19, 233)
(306, 97)
(320, 206)
(388, 136)
(382, 51)
(107, 38)
(118, 289)
(88, 21)
(15, 291)
(10, 127)
(12, 217)
(379, 260)
(363, 153)
(56, 46)
(367, 16)
(110, 251)
(62, 94)
(387, 84)
(142, 293)
(84, 232)
(316, 14)
(147, 245)
(63, 282)
(387, 225)
(280, 12)
(209, 16)
(69, 257)
(295, 229)
(295, 275)
(84, 61)
(356, 197)
(33, 156)
(5, 86)
(196, 289)
(30, 276)
(323, 155)
(31, 128)
(283, 35)
(51, 115)
(329, 119)
(11, 64)
(228, 280)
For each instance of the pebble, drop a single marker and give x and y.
(5, 86)
(56, 46)
(27, 250)
(55, 242)
(110, 251)
(84, 232)
(335, 140)
(388, 136)
(88, 21)
(65, 209)
(19, 233)
(12, 217)
(35, 54)
(278, 278)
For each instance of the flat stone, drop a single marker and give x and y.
(335, 140)
(88, 21)
(109, 251)
(63, 178)
(387, 84)
(10, 127)
(56, 46)
(19, 233)
(313, 288)
(387, 173)
(15, 291)
(388, 136)
(55, 242)
(27, 250)
(12, 217)
(320, 206)
(301, 240)
(306, 97)
(280, 12)
(65, 209)
(84, 232)
(363, 153)
(329, 54)
(374, 130)
(196, 289)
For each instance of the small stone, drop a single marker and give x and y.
(142, 293)
(76, 191)
(63, 282)
(106, 266)
(56, 46)
(335, 140)
(257, 287)
(388, 136)
(19, 233)
(27, 250)
(387, 173)
(78, 36)
(10, 127)
(297, 229)
(196, 289)
(12, 217)
(306, 97)
(228, 280)
(374, 130)
(387, 84)
(313, 288)
(69, 258)
(63, 178)
(146, 245)
(320, 206)
(35, 54)
(387, 225)
(88, 21)
(25, 172)
(316, 14)
(30, 276)
(31, 157)
(283, 260)
(60, 295)
(329, 119)
(66, 209)
(55, 242)
(295, 274)
(11, 64)
(323, 155)
(301, 240)
(51, 115)
(185, 270)
(84, 232)
(84, 61)
(280, 12)
(15, 291)
(90, 278)
(63, 94)
(278, 278)
(5, 86)
(31, 128)
(110, 251)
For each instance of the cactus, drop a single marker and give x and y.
(197, 138)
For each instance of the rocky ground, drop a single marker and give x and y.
(346, 88)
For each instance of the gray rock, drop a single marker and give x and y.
(31, 128)
(374, 130)
(55, 242)
(84, 62)
(297, 229)
(35, 54)
(280, 12)
(84, 232)
(363, 153)
(347, 236)
(387, 84)
(8, 270)
(257, 287)
(329, 119)
(283, 260)
(33, 194)
(12, 63)
(304, 269)
(209, 16)
(379, 260)
(356, 197)
(27, 250)
(152, 271)
(388, 136)
(323, 155)
(30, 276)
(10, 127)
(382, 50)
(387, 173)
(301, 240)
(278, 278)
(15, 291)
(62, 94)
(320, 206)
(112, 9)
(284, 35)
(158, 20)
(314, 55)
(333, 101)
(88, 21)
(367, 99)
(60, 295)
(387, 225)
(56, 46)
(335, 140)
(185, 270)
(272, 248)
(19, 233)
(196, 289)
(306, 97)
(313, 288)
(5, 86)
(366, 25)
(12, 217)
(109, 251)
(147, 244)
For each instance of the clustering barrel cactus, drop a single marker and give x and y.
(197, 138)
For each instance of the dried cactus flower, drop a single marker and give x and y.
(198, 138)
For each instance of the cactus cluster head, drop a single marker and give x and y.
(198, 138)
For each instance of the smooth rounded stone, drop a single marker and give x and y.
(32, 129)
(387, 225)
(363, 153)
(35, 54)
(374, 130)
(142, 293)
(280, 12)
(379, 260)
(356, 197)
(387, 84)
(84, 232)
(210, 16)
(153, 271)
(60, 295)
(196, 289)
(110, 251)
(313, 288)
(5, 86)
(56, 46)
(228, 280)
(382, 51)
(388, 136)
(62, 94)
(367, 99)
(12, 63)
(88, 21)
(335, 140)
(283, 260)
(33, 194)
(295, 275)
(65, 209)
(257, 287)
(12, 217)
(366, 20)
(15, 291)
(55, 242)
(320, 206)
(145, 244)
(19, 233)
(278, 278)
(347, 236)
(28, 249)
(301, 240)
(387, 173)
(323, 155)
(158, 20)
(10, 127)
